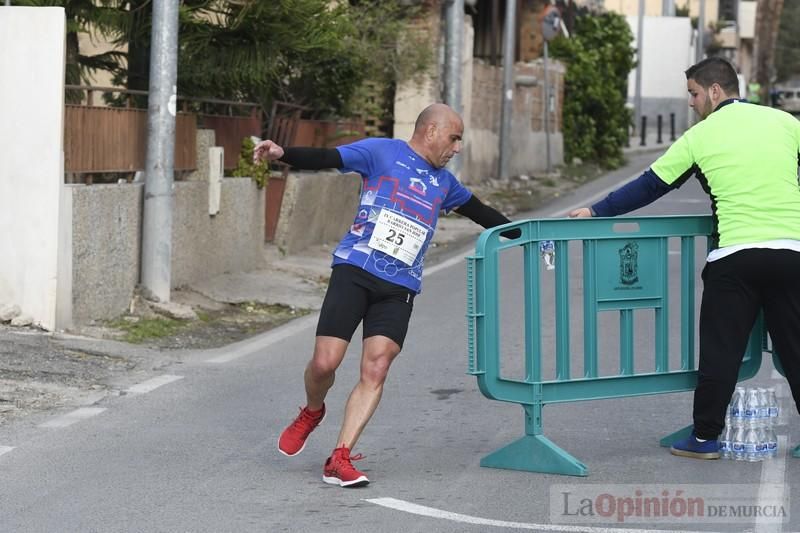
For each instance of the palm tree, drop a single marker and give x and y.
(312, 52)
(301, 51)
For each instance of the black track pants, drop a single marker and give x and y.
(735, 289)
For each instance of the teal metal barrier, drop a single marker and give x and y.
(625, 268)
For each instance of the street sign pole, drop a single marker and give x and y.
(551, 25)
(547, 109)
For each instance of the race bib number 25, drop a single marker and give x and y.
(398, 236)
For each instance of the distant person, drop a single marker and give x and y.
(746, 158)
(754, 92)
(377, 267)
(774, 97)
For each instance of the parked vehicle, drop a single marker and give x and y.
(789, 99)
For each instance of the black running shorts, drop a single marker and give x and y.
(355, 295)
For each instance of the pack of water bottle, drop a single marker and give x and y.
(750, 422)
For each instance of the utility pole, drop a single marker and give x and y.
(453, 54)
(668, 8)
(700, 52)
(508, 87)
(160, 161)
(551, 26)
(546, 112)
(637, 119)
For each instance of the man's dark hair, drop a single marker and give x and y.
(715, 70)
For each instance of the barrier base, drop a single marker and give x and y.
(535, 453)
(672, 438)
(796, 451)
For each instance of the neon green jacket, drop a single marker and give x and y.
(746, 157)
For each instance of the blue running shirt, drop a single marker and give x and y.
(401, 197)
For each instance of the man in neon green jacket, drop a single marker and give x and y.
(746, 158)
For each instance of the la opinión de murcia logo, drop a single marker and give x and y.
(696, 504)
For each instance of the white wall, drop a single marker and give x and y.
(747, 20)
(663, 66)
(31, 159)
(668, 52)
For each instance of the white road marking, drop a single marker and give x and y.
(93, 398)
(773, 472)
(70, 418)
(5, 449)
(27, 333)
(421, 510)
(152, 384)
(561, 212)
(260, 342)
(455, 260)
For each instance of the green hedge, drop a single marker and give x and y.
(599, 58)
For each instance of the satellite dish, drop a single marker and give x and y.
(551, 23)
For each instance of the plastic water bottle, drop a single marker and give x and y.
(751, 447)
(730, 448)
(772, 442)
(737, 406)
(548, 251)
(763, 405)
(762, 448)
(751, 407)
(738, 443)
(726, 440)
(774, 407)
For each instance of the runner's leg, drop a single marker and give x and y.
(320, 372)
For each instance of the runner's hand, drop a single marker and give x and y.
(581, 212)
(267, 151)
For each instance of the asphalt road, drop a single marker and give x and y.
(196, 449)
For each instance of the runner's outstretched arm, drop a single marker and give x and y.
(307, 158)
(486, 216)
(303, 158)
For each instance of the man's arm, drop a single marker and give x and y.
(638, 193)
(303, 158)
(668, 172)
(645, 189)
(486, 216)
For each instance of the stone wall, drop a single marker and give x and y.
(482, 89)
(106, 237)
(317, 207)
(204, 246)
(106, 249)
(528, 155)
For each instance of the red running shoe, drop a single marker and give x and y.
(293, 438)
(340, 471)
